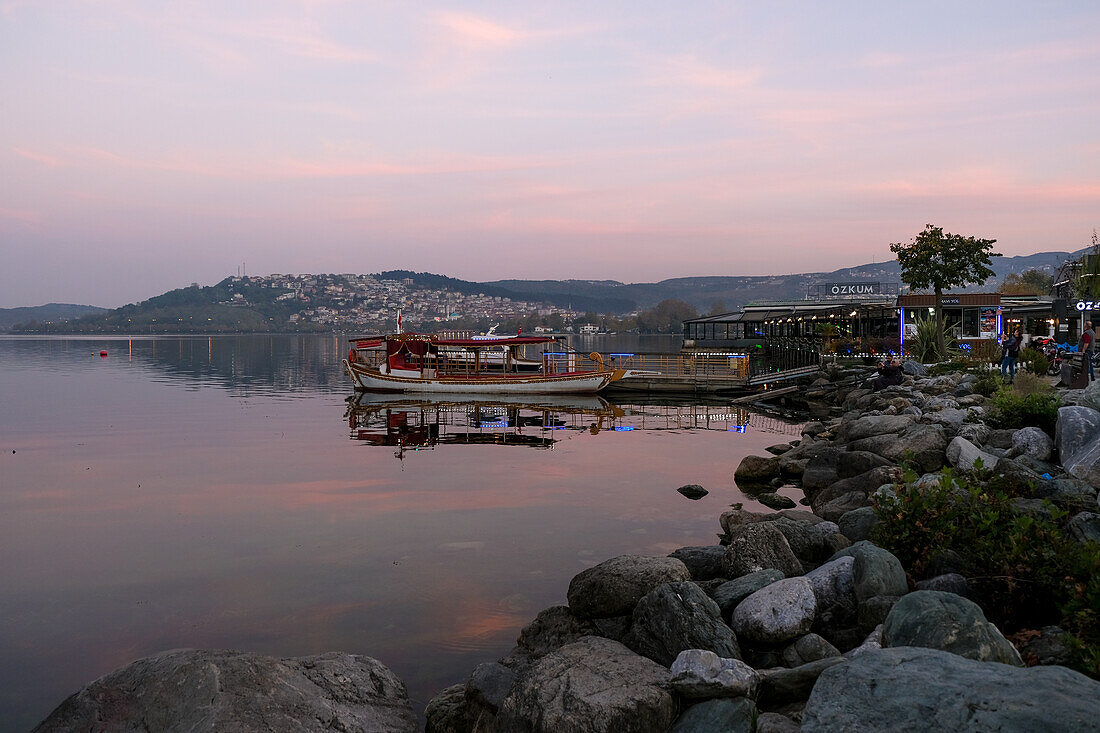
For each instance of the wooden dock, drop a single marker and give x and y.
(686, 373)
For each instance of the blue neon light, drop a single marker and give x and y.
(614, 355)
(736, 429)
(623, 428)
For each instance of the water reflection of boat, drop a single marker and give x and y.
(419, 422)
(415, 422)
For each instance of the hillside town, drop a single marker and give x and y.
(364, 300)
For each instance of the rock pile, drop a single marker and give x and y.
(794, 610)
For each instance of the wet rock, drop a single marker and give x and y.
(733, 519)
(948, 622)
(1085, 527)
(779, 449)
(777, 613)
(836, 508)
(773, 500)
(551, 629)
(757, 547)
(1076, 428)
(914, 368)
(808, 648)
(489, 684)
(698, 673)
(678, 616)
(693, 491)
(876, 572)
(449, 712)
(223, 690)
(873, 642)
(963, 454)
(734, 716)
(925, 689)
(858, 524)
(756, 470)
(703, 563)
(593, 685)
(732, 592)
(1032, 442)
(615, 586)
(782, 686)
(833, 586)
(855, 462)
(870, 425)
(775, 723)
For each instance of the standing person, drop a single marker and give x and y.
(1087, 345)
(1012, 353)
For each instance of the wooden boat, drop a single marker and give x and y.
(417, 362)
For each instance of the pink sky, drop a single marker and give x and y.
(145, 146)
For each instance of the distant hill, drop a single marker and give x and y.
(49, 313)
(732, 291)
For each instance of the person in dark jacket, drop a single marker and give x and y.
(890, 373)
(1012, 346)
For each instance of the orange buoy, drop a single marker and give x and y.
(103, 353)
(353, 356)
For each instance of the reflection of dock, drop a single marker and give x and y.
(408, 422)
(708, 372)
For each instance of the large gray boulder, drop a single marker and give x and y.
(914, 368)
(615, 586)
(551, 629)
(197, 690)
(727, 715)
(755, 470)
(806, 649)
(876, 572)
(858, 524)
(703, 562)
(593, 685)
(1085, 463)
(780, 612)
(759, 546)
(914, 689)
(961, 453)
(1076, 428)
(833, 584)
(1085, 527)
(677, 616)
(1090, 395)
(1033, 443)
(811, 542)
(782, 686)
(870, 425)
(946, 621)
(732, 592)
(699, 673)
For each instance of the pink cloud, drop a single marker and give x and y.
(477, 32)
(49, 161)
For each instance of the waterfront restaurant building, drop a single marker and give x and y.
(869, 325)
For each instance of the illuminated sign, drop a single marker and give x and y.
(858, 287)
(949, 301)
(1087, 305)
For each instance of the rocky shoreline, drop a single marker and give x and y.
(794, 620)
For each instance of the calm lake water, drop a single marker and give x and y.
(223, 493)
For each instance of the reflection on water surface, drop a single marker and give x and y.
(222, 492)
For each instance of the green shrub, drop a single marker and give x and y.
(1033, 361)
(923, 345)
(987, 383)
(1027, 570)
(1012, 408)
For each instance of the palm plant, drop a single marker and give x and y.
(925, 344)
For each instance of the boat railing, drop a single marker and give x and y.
(682, 364)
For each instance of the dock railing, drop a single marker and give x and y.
(682, 364)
